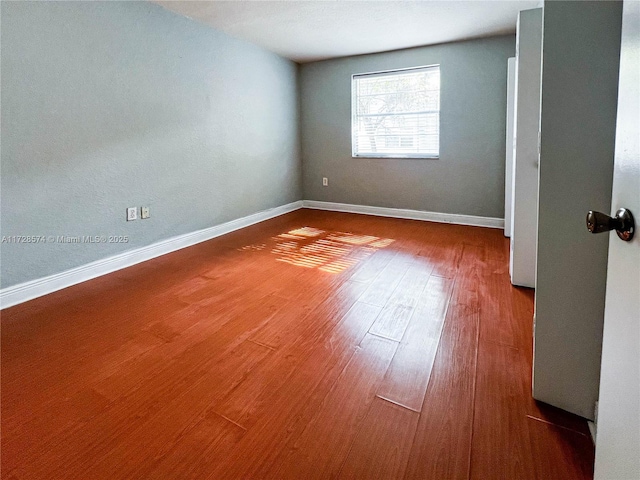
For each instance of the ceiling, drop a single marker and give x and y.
(309, 30)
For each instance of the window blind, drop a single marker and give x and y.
(396, 113)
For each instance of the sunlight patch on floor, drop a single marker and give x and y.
(331, 252)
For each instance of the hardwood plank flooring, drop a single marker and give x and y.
(408, 375)
(443, 441)
(383, 444)
(326, 440)
(313, 345)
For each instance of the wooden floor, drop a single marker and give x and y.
(314, 345)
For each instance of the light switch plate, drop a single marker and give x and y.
(144, 212)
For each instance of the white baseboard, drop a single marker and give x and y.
(23, 292)
(592, 430)
(455, 218)
(42, 286)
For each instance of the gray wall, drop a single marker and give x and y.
(107, 105)
(581, 51)
(468, 178)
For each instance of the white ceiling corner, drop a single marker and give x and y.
(310, 30)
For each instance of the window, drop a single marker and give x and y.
(396, 114)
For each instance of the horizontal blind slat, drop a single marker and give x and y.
(389, 117)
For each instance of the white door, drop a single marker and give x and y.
(618, 428)
(508, 173)
(524, 203)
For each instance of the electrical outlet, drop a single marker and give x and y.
(144, 212)
(325, 182)
(132, 213)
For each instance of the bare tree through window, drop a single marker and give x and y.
(397, 113)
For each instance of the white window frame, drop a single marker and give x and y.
(354, 116)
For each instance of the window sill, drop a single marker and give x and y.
(399, 157)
